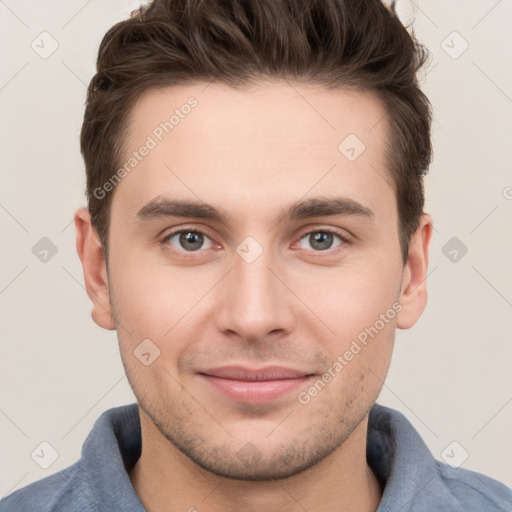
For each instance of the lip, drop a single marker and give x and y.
(255, 385)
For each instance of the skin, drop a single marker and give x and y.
(252, 153)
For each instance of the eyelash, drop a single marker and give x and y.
(344, 239)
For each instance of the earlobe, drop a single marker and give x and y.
(413, 295)
(94, 266)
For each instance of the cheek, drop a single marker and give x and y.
(155, 300)
(352, 298)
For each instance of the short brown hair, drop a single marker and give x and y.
(357, 44)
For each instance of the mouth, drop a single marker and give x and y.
(255, 386)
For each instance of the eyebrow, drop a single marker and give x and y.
(161, 207)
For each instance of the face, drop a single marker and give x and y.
(255, 271)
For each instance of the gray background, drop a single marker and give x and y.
(451, 374)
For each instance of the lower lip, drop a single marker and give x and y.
(255, 392)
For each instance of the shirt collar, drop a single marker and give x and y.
(396, 453)
(399, 458)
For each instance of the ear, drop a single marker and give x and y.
(413, 294)
(94, 266)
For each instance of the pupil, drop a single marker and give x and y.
(192, 241)
(321, 241)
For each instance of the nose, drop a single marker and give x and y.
(255, 303)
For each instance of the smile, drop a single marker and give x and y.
(255, 386)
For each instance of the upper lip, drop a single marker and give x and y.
(255, 374)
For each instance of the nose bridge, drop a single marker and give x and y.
(255, 286)
(254, 301)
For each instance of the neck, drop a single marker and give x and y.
(166, 479)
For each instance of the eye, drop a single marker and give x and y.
(189, 240)
(320, 240)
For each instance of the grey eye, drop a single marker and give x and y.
(320, 240)
(189, 240)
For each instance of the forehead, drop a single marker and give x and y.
(259, 113)
(275, 141)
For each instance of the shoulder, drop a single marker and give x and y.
(66, 490)
(99, 477)
(415, 481)
(474, 491)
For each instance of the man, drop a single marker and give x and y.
(255, 233)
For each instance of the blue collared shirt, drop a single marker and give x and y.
(411, 478)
